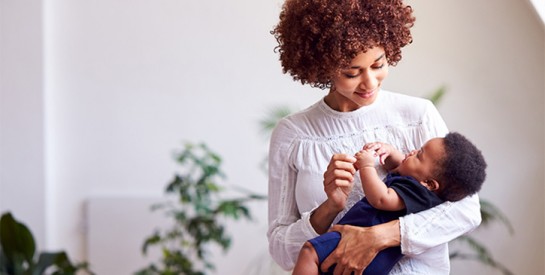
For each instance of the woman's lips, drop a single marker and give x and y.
(366, 94)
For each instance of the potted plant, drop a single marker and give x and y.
(197, 210)
(18, 252)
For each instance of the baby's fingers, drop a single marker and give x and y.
(373, 146)
(383, 158)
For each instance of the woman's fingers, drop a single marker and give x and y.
(355, 251)
(338, 176)
(342, 267)
(343, 162)
(341, 167)
(351, 272)
(329, 261)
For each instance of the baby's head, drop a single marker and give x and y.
(452, 167)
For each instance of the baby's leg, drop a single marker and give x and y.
(307, 262)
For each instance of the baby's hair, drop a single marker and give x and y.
(318, 37)
(462, 172)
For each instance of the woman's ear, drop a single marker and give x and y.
(431, 184)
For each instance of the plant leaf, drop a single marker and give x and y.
(490, 213)
(437, 95)
(480, 254)
(274, 115)
(46, 260)
(16, 239)
(197, 215)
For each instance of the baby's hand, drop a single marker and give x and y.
(383, 150)
(365, 158)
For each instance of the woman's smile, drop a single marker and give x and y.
(366, 94)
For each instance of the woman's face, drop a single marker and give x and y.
(358, 84)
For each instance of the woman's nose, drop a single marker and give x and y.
(368, 81)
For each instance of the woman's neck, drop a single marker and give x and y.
(341, 103)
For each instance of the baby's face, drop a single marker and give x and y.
(420, 164)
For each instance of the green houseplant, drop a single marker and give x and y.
(467, 246)
(197, 210)
(18, 252)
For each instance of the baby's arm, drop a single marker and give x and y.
(376, 192)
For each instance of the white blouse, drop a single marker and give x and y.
(300, 149)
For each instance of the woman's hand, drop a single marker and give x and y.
(338, 180)
(359, 246)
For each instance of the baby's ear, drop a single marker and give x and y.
(431, 184)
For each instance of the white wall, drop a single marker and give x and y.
(129, 81)
(126, 82)
(22, 170)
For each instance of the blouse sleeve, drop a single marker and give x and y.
(288, 229)
(438, 225)
(445, 222)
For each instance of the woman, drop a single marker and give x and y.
(346, 46)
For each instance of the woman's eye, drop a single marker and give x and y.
(378, 67)
(350, 76)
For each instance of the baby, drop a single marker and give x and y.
(444, 169)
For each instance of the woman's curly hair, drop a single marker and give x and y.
(318, 37)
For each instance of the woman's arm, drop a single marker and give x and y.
(439, 225)
(289, 229)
